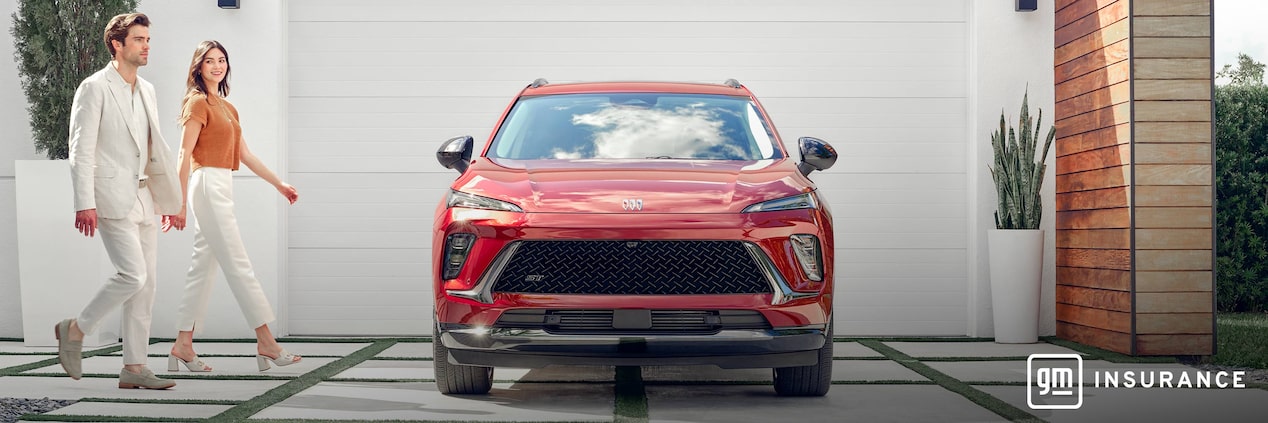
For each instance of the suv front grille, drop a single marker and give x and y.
(632, 268)
(632, 321)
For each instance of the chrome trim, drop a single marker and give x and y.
(783, 293)
(482, 290)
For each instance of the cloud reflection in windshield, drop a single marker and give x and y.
(629, 132)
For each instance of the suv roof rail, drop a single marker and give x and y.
(538, 82)
(732, 83)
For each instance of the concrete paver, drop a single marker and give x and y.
(842, 371)
(408, 350)
(18, 360)
(853, 350)
(1146, 405)
(222, 366)
(417, 369)
(19, 347)
(520, 402)
(1015, 371)
(976, 349)
(248, 348)
(844, 403)
(65, 388)
(178, 411)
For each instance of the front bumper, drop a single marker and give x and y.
(732, 349)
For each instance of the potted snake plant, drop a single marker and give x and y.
(1016, 243)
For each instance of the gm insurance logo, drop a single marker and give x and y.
(1055, 378)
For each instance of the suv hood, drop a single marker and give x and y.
(604, 186)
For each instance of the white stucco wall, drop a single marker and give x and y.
(1009, 52)
(254, 37)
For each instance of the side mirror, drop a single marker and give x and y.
(455, 153)
(815, 155)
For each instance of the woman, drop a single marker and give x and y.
(211, 149)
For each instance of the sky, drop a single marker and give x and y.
(1241, 26)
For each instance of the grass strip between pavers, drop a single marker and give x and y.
(174, 376)
(915, 339)
(286, 390)
(403, 421)
(631, 396)
(90, 418)
(10, 371)
(1016, 358)
(298, 340)
(995, 405)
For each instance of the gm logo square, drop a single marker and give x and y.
(1056, 379)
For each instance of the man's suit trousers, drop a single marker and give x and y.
(131, 243)
(218, 243)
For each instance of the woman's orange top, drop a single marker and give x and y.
(218, 141)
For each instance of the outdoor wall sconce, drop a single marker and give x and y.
(227, 4)
(1024, 5)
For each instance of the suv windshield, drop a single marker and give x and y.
(635, 126)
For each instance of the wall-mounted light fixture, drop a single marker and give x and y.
(1027, 5)
(227, 4)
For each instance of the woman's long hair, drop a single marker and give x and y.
(194, 83)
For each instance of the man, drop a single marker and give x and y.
(121, 176)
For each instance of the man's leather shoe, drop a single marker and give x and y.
(144, 380)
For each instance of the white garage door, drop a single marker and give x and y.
(376, 85)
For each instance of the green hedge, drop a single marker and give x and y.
(1241, 186)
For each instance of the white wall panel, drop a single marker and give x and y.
(375, 86)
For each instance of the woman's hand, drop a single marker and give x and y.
(288, 191)
(174, 221)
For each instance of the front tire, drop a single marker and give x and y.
(457, 379)
(807, 381)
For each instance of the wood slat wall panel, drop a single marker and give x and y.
(1092, 22)
(1173, 111)
(1173, 196)
(1095, 100)
(1095, 159)
(1062, 4)
(1173, 174)
(1193, 132)
(1171, 47)
(1108, 279)
(1078, 9)
(1094, 258)
(1100, 138)
(1175, 345)
(1174, 323)
(1094, 219)
(1174, 239)
(1115, 321)
(1094, 238)
(1092, 42)
(1198, 154)
(1097, 119)
(1172, 26)
(1114, 341)
(1172, 68)
(1171, 89)
(1094, 61)
(1094, 298)
(1094, 179)
(1173, 302)
(1171, 7)
(1113, 74)
(1165, 260)
(1173, 217)
(1173, 281)
(1107, 198)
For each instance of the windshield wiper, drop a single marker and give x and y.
(659, 157)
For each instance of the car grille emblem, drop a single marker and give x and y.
(632, 204)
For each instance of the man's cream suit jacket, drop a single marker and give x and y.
(104, 154)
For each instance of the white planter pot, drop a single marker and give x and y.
(1016, 277)
(59, 269)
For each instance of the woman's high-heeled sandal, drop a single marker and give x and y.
(283, 359)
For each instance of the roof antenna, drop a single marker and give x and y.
(732, 83)
(538, 83)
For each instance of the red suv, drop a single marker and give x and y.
(629, 224)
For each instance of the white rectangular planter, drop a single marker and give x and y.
(59, 269)
(1016, 278)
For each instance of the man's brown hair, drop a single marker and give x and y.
(117, 29)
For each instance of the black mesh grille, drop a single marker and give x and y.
(658, 321)
(632, 268)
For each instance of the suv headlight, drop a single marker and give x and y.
(800, 201)
(462, 199)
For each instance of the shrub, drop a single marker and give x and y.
(1241, 187)
(57, 44)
